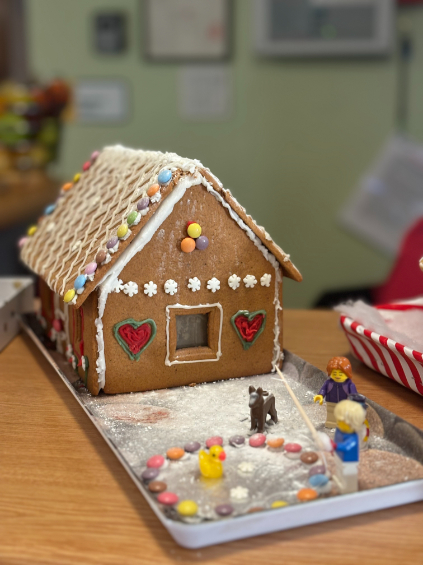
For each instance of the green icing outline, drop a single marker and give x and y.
(249, 315)
(135, 325)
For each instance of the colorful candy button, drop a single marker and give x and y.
(77, 177)
(33, 229)
(194, 230)
(257, 440)
(157, 486)
(318, 480)
(215, 440)
(49, 209)
(79, 282)
(164, 176)
(112, 242)
(167, 498)
(153, 189)
(132, 217)
(57, 325)
(187, 245)
(156, 461)
(192, 446)
(202, 242)
(91, 268)
(100, 257)
(236, 441)
(224, 509)
(293, 450)
(122, 231)
(255, 509)
(279, 504)
(69, 296)
(187, 508)
(143, 203)
(317, 470)
(94, 155)
(275, 442)
(86, 166)
(189, 223)
(306, 494)
(150, 474)
(22, 241)
(67, 186)
(175, 453)
(309, 457)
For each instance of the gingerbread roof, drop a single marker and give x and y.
(90, 210)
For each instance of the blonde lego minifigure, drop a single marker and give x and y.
(349, 417)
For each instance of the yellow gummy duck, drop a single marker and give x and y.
(211, 463)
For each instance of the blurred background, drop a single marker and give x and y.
(306, 109)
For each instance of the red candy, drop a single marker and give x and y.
(86, 165)
(156, 461)
(167, 498)
(215, 440)
(293, 447)
(57, 325)
(257, 440)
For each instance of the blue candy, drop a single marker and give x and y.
(79, 282)
(164, 176)
(49, 209)
(318, 480)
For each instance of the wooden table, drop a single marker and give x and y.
(65, 498)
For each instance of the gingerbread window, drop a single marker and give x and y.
(193, 333)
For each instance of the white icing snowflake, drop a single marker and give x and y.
(250, 281)
(118, 286)
(238, 493)
(213, 284)
(130, 288)
(265, 280)
(171, 287)
(246, 467)
(233, 281)
(194, 284)
(150, 288)
(156, 197)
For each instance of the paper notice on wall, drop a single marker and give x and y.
(101, 101)
(205, 92)
(389, 197)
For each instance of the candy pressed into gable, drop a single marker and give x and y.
(156, 276)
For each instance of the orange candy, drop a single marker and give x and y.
(187, 245)
(175, 453)
(153, 189)
(275, 442)
(306, 494)
(67, 186)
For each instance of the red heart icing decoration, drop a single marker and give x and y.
(248, 328)
(135, 338)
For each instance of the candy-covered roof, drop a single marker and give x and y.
(102, 211)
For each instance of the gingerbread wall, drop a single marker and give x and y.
(230, 251)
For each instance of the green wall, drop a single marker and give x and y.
(300, 135)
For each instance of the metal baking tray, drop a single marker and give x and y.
(139, 425)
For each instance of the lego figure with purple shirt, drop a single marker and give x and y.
(336, 388)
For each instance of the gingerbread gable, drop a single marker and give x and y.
(103, 206)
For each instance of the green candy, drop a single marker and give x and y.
(132, 217)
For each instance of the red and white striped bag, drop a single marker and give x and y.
(384, 355)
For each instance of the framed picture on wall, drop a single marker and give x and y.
(187, 30)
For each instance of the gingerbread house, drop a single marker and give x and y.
(152, 275)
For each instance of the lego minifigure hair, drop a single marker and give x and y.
(340, 364)
(350, 412)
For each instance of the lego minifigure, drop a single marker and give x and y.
(365, 430)
(336, 388)
(349, 417)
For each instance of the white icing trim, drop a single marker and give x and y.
(277, 352)
(219, 345)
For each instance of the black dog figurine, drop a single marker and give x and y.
(261, 407)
